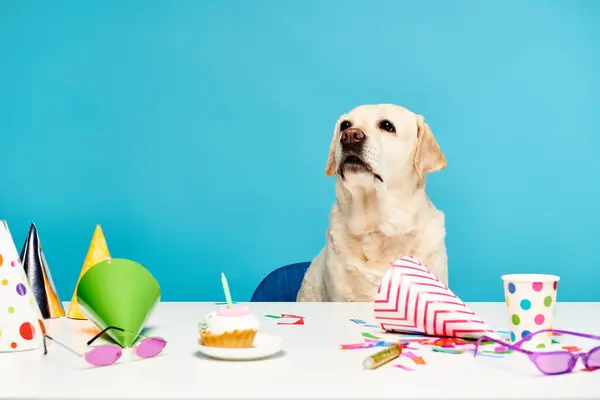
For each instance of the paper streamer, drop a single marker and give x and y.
(370, 336)
(404, 367)
(448, 351)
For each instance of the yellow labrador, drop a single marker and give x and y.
(380, 154)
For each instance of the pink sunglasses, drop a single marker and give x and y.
(108, 354)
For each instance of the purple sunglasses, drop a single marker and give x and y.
(108, 354)
(553, 362)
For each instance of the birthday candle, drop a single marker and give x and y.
(226, 290)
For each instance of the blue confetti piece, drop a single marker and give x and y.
(383, 343)
(371, 326)
(485, 354)
(358, 321)
(448, 351)
(380, 344)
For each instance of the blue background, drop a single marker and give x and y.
(196, 132)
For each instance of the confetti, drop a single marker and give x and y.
(555, 341)
(368, 335)
(298, 322)
(355, 346)
(404, 367)
(358, 321)
(419, 360)
(486, 354)
(388, 344)
(368, 344)
(483, 342)
(414, 340)
(379, 342)
(448, 342)
(572, 349)
(291, 316)
(556, 334)
(272, 316)
(409, 355)
(411, 336)
(448, 351)
(372, 326)
(498, 352)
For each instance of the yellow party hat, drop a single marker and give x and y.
(97, 252)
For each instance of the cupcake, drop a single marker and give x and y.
(229, 327)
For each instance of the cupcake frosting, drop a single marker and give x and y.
(239, 317)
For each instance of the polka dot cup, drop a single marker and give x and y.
(530, 300)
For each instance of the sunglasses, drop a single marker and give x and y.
(108, 354)
(553, 362)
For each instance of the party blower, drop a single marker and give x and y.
(119, 293)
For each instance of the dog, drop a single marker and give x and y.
(380, 155)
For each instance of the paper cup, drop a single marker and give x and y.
(119, 293)
(530, 300)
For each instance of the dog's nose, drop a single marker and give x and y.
(352, 136)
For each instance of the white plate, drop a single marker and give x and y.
(264, 346)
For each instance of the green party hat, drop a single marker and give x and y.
(119, 293)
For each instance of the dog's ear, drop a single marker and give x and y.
(428, 155)
(331, 167)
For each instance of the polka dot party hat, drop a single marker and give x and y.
(20, 316)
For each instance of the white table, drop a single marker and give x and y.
(312, 366)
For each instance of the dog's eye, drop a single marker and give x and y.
(345, 125)
(386, 126)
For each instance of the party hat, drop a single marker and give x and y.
(38, 273)
(20, 325)
(119, 293)
(411, 299)
(97, 252)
